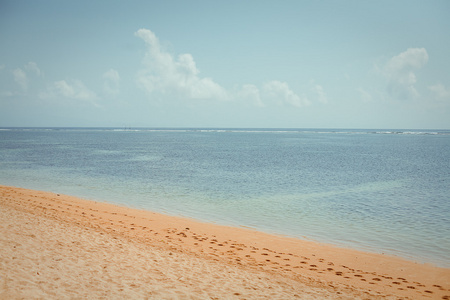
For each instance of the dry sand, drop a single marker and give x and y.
(55, 246)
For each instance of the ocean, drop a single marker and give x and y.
(384, 191)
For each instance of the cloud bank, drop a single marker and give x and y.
(400, 72)
(281, 93)
(164, 75)
(72, 90)
(402, 83)
(165, 78)
(441, 94)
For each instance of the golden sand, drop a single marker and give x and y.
(55, 246)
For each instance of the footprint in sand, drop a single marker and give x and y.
(376, 279)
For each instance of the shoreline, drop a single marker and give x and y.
(302, 267)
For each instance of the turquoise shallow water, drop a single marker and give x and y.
(377, 190)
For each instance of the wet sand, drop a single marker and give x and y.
(55, 246)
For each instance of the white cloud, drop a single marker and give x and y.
(32, 67)
(412, 58)
(73, 89)
(440, 92)
(251, 94)
(319, 92)
(111, 83)
(21, 78)
(164, 74)
(399, 71)
(179, 77)
(281, 93)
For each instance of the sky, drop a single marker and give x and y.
(260, 64)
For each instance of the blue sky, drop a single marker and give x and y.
(285, 64)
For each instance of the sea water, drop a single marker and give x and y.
(376, 190)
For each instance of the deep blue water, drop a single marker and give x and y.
(379, 190)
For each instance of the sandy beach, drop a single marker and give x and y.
(54, 246)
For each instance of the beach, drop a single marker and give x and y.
(55, 246)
